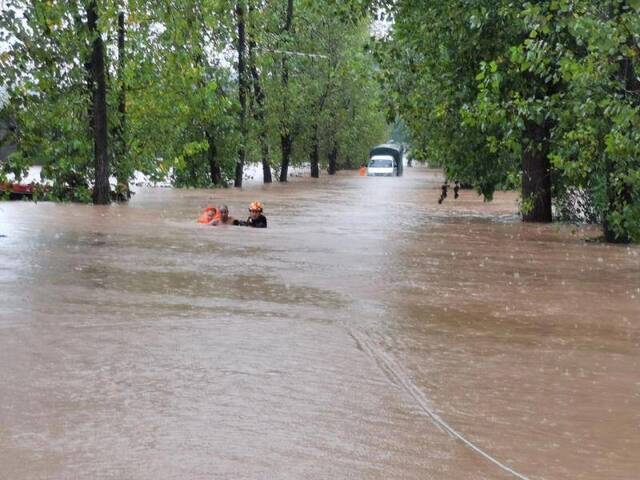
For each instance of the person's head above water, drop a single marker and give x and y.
(255, 209)
(256, 218)
(224, 213)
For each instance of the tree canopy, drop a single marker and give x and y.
(542, 95)
(173, 101)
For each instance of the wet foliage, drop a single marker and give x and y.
(544, 96)
(172, 102)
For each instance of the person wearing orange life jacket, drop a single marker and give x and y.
(256, 218)
(208, 215)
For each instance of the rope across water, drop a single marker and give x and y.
(400, 376)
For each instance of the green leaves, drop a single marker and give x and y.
(470, 76)
(180, 86)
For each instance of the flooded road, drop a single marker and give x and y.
(354, 338)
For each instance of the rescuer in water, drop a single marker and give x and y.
(256, 218)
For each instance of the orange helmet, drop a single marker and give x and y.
(256, 206)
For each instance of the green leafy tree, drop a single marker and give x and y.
(429, 64)
(597, 150)
(542, 94)
(103, 89)
(567, 96)
(56, 86)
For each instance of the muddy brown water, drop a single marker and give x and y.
(136, 344)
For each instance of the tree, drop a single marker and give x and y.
(186, 98)
(55, 73)
(429, 64)
(340, 101)
(101, 188)
(598, 141)
(546, 93)
(242, 91)
(286, 139)
(582, 56)
(150, 86)
(258, 101)
(121, 164)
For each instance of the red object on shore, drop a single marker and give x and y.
(17, 189)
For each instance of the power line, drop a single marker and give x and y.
(298, 54)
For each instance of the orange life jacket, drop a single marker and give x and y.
(208, 214)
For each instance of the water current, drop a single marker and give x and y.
(353, 338)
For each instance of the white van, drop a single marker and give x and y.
(382, 166)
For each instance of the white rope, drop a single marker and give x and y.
(396, 370)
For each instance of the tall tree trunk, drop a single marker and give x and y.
(101, 189)
(536, 174)
(314, 158)
(333, 158)
(215, 171)
(120, 142)
(212, 158)
(619, 196)
(80, 26)
(285, 147)
(260, 120)
(242, 93)
(258, 106)
(266, 165)
(286, 139)
(315, 149)
(610, 234)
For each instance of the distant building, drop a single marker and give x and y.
(5, 127)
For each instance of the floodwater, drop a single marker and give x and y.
(367, 333)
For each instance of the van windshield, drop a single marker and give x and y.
(380, 164)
